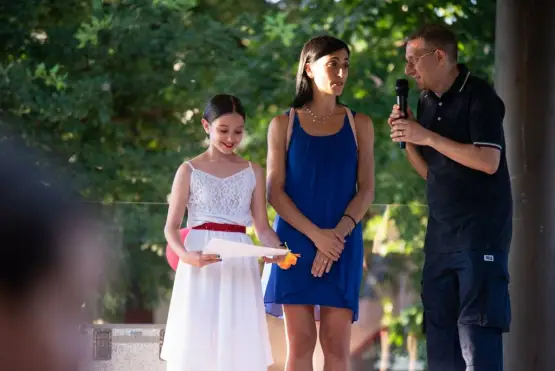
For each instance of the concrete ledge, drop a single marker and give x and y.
(117, 347)
(130, 347)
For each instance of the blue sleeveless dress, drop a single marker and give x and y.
(321, 176)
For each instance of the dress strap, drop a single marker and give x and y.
(292, 114)
(190, 165)
(352, 123)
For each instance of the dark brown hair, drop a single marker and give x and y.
(313, 50)
(438, 37)
(223, 104)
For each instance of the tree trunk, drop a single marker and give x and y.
(384, 358)
(135, 309)
(412, 349)
(525, 79)
(139, 316)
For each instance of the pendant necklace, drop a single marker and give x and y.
(316, 118)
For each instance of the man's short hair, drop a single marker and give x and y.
(439, 37)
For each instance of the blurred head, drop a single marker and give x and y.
(48, 267)
(323, 66)
(431, 54)
(224, 122)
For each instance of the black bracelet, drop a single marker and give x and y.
(353, 219)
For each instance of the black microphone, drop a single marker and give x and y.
(402, 90)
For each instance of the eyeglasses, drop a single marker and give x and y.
(411, 62)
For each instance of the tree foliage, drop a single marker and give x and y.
(114, 90)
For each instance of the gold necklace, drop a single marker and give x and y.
(316, 117)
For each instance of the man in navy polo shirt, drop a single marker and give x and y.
(457, 144)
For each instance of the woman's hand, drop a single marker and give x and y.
(320, 265)
(198, 259)
(344, 228)
(328, 242)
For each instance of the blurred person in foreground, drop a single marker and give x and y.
(49, 263)
(456, 142)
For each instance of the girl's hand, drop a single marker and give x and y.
(276, 259)
(198, 259)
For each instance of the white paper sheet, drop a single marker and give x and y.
(230, 249)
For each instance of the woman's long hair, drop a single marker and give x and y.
(313, 50)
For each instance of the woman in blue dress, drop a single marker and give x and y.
(321, 183)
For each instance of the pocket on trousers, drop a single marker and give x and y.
(494, 301)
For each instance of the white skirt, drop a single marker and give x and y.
(216, 319)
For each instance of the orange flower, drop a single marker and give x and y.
(289, 260)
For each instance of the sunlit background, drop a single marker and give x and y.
(112, 92)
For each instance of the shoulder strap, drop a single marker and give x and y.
(292, 118)
(289, 128)
(190, 165)
(352, 123)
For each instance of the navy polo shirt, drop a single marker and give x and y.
(468, 209)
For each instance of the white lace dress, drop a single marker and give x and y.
(216, 320)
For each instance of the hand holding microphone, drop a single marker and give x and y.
(402, 90)
(397, 114)
(403, 127)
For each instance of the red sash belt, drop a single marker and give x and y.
(217, 227)
(172, 257)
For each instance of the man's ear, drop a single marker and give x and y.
(441, 56)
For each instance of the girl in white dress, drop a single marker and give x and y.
(216, 320)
